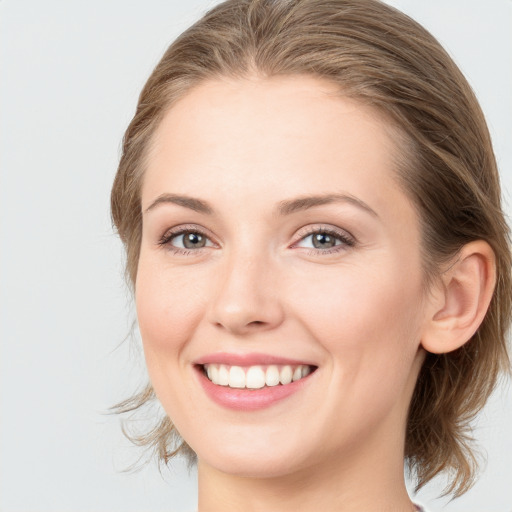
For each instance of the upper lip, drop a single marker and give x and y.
(251, 359)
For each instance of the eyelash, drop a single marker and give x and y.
(346, 240)
(165, 241)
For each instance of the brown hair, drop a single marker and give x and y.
(381, 57)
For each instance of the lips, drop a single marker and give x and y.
(251, 381)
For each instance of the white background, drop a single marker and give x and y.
(70, 73)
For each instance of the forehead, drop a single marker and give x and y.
(279, 137)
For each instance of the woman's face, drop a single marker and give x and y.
(277, 246)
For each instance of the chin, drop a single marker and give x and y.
(253, 466)
(254, 460)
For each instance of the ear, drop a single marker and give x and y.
(460, 299)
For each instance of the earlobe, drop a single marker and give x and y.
(460, 299)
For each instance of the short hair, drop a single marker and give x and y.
(381, 57)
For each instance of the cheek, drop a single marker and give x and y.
(368, 325)
(367, 318)
(168, 307)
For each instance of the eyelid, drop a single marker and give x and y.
(169, 234)
(346, 238)
(324, 228)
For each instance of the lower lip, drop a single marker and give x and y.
(249, 399)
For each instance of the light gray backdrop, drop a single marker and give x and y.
(70, 73)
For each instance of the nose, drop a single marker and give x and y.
(247, 298)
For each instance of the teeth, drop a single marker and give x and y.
(286, 374)
(223, 376)
(212, 372)
(272, 377)
(236, 377)
(255, 377)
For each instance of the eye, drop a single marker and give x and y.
(189, 240)
(325, 240)
(319, 241)
(185, 239)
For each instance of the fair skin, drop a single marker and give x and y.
(334, 285)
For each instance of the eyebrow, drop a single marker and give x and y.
(286, 207)
(306, 202)
(188, 202)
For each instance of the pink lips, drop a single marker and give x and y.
(246, 359)
(247, 399)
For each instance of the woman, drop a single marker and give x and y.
(311, 211)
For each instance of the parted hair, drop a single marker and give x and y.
(383, 58)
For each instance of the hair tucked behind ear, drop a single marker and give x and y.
(381, 57)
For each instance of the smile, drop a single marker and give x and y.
(249, 382)
(255, 377)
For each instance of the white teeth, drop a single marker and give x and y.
(255, 377)
(272, 376)
(236, 377)
(223, 375)
(286, 374)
